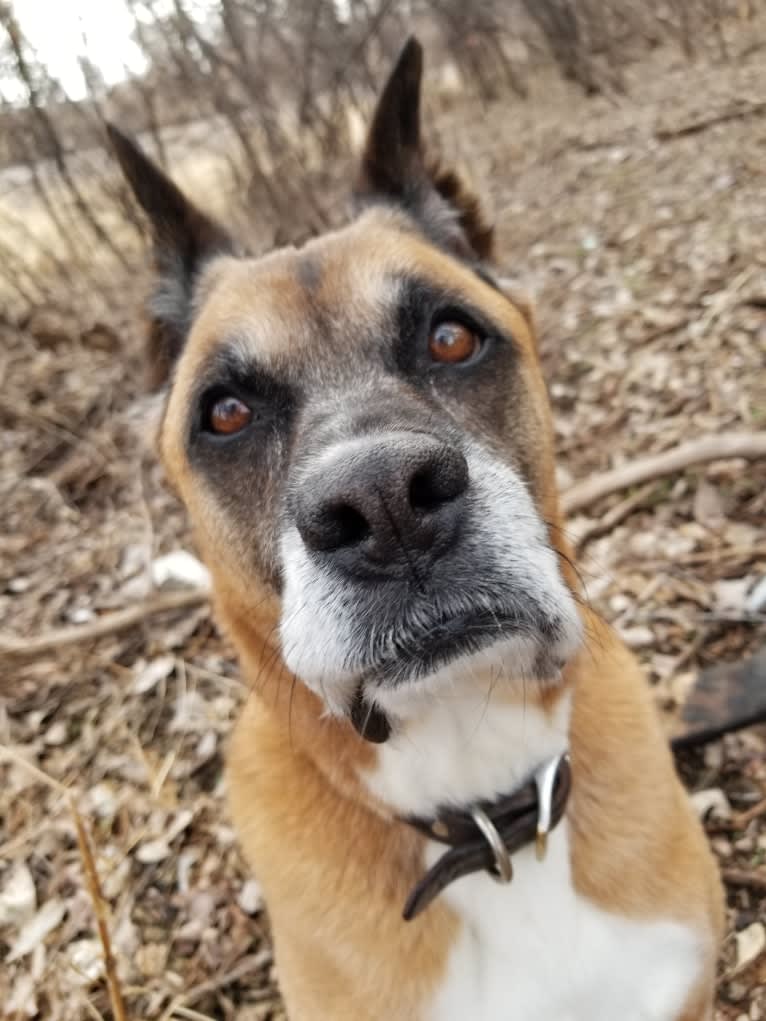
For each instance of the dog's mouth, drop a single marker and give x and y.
(423, 652)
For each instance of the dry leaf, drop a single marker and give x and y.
(751, 942)
(180, 568)
(250, 897)
(18, 899)
(712, 802)
(708, 506)
(150, 675)
(756, 600)
(731, 594)
(34, 931)
(86, 960)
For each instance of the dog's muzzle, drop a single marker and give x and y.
(403, 553)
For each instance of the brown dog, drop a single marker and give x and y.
(361, 433)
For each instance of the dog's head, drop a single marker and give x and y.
(360, 431)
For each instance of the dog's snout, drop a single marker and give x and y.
(382, 501)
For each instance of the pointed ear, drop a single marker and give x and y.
(184, 239)
(395, 169)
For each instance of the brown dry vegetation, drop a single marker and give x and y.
(639, 223)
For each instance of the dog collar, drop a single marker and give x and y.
(485, 835)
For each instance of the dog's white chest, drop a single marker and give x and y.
(537, 950)
(534, 950)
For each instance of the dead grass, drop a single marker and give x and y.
(644, 244)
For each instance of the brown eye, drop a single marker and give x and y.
(229, 415)
(452, 343)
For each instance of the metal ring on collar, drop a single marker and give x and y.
(503, 871)
(545, 779)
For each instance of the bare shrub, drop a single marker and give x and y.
(271, 93)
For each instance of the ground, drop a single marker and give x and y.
(639, 223)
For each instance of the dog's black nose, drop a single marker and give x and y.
(383, 503)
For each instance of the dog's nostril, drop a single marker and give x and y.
(425, 494)
(345, 526)
(438, 483)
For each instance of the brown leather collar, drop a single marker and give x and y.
(486, 835)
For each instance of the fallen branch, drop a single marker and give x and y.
(694, 127)
(750, 446)
(613, 517)
(749, 552)
(742, 877)
(743, 818)
(245, 967)
(110, 623)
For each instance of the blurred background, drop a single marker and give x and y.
(621, 148)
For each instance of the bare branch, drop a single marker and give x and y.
(750, 446)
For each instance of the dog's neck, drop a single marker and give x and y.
(474, 743)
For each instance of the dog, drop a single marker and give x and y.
(449, 777)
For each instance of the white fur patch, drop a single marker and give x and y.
(534, 949)
(465, 745)
(537, 950)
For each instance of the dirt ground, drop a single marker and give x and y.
(639, 224)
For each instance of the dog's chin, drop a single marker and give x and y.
(461, 661)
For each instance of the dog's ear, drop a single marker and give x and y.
(395, 168)
(184, 239)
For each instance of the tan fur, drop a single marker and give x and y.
(296, 828)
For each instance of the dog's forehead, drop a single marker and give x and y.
(272, 304)
(328, 293)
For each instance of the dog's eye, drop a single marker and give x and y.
(228, 415)
(452, 343)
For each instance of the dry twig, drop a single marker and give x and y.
(120, 620)
(751, 446)
(694, 127)
(249, 964)
(749, 553)
(99, 908)
(743, 818)
(613, 517)
(744, 877)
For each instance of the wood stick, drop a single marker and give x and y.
(694, 127)
(704, 556)
(613, 517)
(99, 909)
(119, 620)
(11, 755)
(249, 964)
(750, 446)
(741, 820)
(743, 877)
